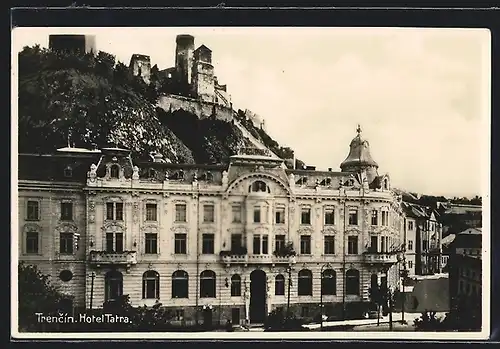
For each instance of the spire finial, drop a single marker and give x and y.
(358, 130)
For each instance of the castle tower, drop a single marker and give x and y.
(140, 65)
(359, 158)
(203, 86)
(184, 59)
(72, 43)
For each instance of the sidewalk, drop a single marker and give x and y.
(409, 317)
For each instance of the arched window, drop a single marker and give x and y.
(180, 283)
(68, 172)
(352, 282)
(151, 173)
(207, 284)
(279, 285)
(114, 171)
(305, 283)
(151, 285)
(386, 184)
(259, 186)
(235, 285)
(113, 285)
(329, 282)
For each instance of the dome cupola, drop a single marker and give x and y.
(359, 157)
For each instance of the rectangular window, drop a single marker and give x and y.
(180, 212)
(329, 245)
(385, 218)
(114, 211)
(374, 244)
(256, 244)
(305, 244)
(151, 243)
(352, 245)
(374, 217)
(383, 245)
(256, 214)
(425, 245)
(110, 239)
(33, 211)
(109, 211)
(236, 240)
(118, 242)
(236, 214)
(151, 212)
(66, 243)
(208, 244)
(305, 217)
(265, 244)
(410, 264)
(66, 211)
(208, 213)
(329, 216)
(410, 225)
(32, 242)
(410, 245)
(280, 215)
(279, 241)
(353, 216)
(119, 211)
(180, 244)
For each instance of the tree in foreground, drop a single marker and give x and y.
(36, 295)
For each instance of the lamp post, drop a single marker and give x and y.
(321, 293)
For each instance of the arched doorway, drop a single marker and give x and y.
(258, 296)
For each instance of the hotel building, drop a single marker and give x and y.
(211, 242)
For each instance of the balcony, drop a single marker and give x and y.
(125, 258)
(373, 257)
(229, 258)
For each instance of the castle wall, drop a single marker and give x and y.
(141, 65)
(201, 109)
(203, 81)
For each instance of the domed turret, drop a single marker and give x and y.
(359, 157)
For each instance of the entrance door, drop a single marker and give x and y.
(258, 296)
(207, 318)
(235, 316)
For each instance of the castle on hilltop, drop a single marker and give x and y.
(192, 76)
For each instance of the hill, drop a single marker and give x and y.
(90, 100)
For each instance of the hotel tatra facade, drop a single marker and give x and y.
(210, 242)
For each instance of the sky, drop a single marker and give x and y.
(421, 96)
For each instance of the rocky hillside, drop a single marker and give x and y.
(93, 100)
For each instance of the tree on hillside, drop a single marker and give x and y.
(36, 295)
(87, 99)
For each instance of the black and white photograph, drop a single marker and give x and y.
(251, 182)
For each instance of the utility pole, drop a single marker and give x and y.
(289, 288)
(92, 276)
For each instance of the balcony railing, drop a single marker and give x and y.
(126, 258)
(380, 257)
(256, 259)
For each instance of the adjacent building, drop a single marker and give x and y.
(465, 276)
(423, 235)
(211, 242)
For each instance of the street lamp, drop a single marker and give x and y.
(321, 292)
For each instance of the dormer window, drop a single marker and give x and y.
(386, 184)
(259, 187)
(151, 173)
(114, 171)
(68, 172)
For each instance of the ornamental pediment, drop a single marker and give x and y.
(305, 230)
(261, 230)
(353, 231)
(113, 227)
(329, 230)
(280, 231)
(67, 228)
(32, 227)
(180, 229)
(380, 230)
(153, 228)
